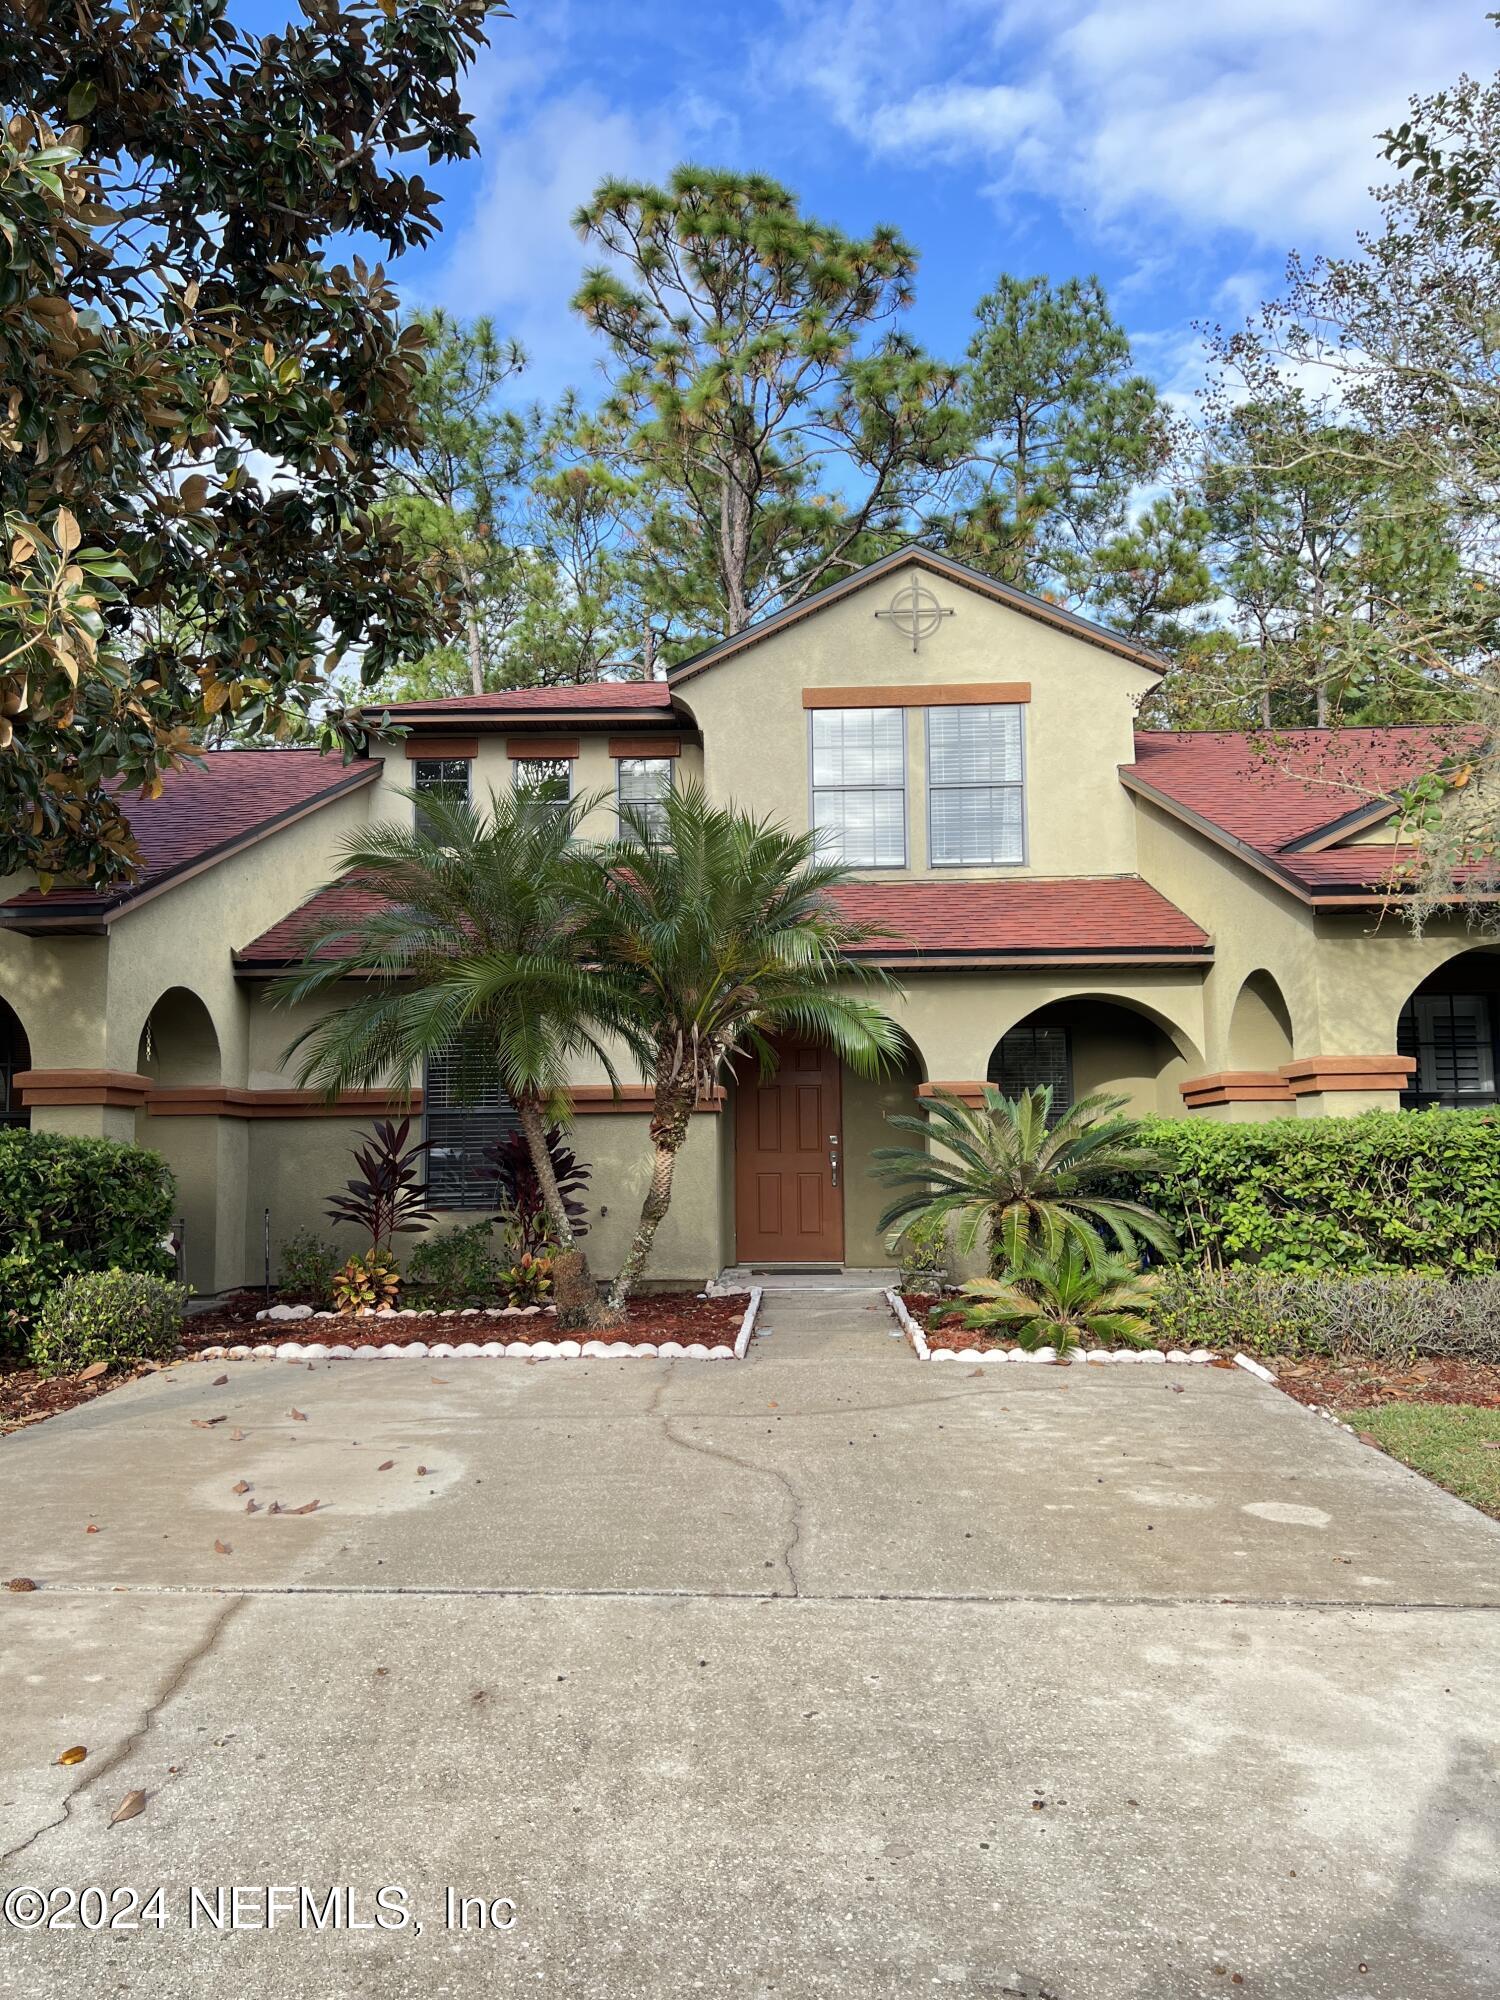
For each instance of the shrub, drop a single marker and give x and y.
(522, 1208)
(921, 1252)
(387, 1197)
(527, 1282)
(1059, 1301)
(72, 1205)
(111, 1316)
(368, 1280)
(459, 1269)
(307, 1268)
(1383, 1316)
(1388, 1191)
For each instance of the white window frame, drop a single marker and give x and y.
(419, 764)
(519, 764)
(1019, 784)
(626, 832)
(814, 788)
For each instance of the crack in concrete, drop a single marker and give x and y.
(114, 1758)
(793, 1498)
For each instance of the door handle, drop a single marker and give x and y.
(833, 1156)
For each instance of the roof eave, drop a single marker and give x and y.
(1240, 849)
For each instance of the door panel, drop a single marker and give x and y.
(789, 1204)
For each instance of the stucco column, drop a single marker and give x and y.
(83, 1103)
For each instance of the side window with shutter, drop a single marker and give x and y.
(1452, 1037)
(1030, 1056)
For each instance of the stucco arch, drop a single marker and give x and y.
(15, 1056)
(1260, 1025)
(179, 1041)
(1090, 1041)
(1449, 1024)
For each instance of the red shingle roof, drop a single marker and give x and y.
(205, 812)
(1110, 916)
(607, 695)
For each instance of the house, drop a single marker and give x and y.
(1198, 922)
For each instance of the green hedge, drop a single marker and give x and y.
(70, 1205)
(1388, 1191)
(116, 1317)
(1378, 1316)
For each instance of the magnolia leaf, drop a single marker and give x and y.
(308, 1507)
(132, 1804)
(66, 531)
(297, 1416)
(222, 1549)
(94, 1370)
(73, 1755)
(194, 492)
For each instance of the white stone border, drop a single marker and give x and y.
(494, 1350)
(1047, 1356)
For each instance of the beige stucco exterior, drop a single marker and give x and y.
(1283, 986)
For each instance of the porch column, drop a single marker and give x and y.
(83, 1103)
(1343, 1086)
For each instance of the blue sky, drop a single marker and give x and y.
(1179, 148)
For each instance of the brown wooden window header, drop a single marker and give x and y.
(519, 747)
(424, 749)
(645, 746)
(962, 694)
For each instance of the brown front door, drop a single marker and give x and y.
(788, 1174)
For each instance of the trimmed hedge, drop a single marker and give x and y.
(1388, 1191)
(111, 1316)
(1380, 1317)
(70, 1205)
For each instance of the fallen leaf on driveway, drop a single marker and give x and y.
(222, 1549)
(422, 1471)
(205, 1423)
(240, 1486)
(94, 1370)
(236, 1437)
(219, 1381)
(309, 1507)
(74, 1756)
(92, 1528)
(129, 1806)
(440, 1381)
(274, 1508)
(20, 1583)
(386, 1466)
(297, 1416)
(252, 1506)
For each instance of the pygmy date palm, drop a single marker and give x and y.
(723, 930)
(1025, 1185)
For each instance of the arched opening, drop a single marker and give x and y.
(1450, 1027)
(1081, 1046)
(1260, 1027)
(15, 1056)
(178, 1043)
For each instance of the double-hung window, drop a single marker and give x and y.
(644, 783)
(546, 781)
(441, 778)
(976, 792)
(467, 1112)
(859, 785)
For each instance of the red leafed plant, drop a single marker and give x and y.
(389, 1196)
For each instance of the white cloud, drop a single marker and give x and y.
(1142, 115)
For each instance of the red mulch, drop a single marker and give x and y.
(663, 1316)
(26, 1397)
(1362, 1385)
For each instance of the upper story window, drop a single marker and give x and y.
(859, 785)
(644, 782)
(439, 777)
(548, 781)
(976, 794)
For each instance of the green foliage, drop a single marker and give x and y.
(1385, 1316)
(747, 362)
(1011, 1178)
(1414, 1190)
(368, 1280)
(921, 1249)
(527, 1281)
(307, 1267)
(459, 1268)
(1060, 1301)
(71, 1205)
(171, 185)
(113, 1316)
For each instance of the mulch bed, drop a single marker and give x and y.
(664, 1316)
(1364, 1385)
(26, 1397)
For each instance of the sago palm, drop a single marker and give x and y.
(1058, 1302)
(467, 936)
(722, 929)
(1006, 1174)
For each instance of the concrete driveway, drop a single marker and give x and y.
(828, 1673)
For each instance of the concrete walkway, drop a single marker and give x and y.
(825, 1674)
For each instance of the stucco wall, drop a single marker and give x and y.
(1078, 724)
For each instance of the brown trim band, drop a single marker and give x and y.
(971, 694)
(645, 746)
(518, 748)
(191, 1100)
(124, 1088)
(970, 1093)
(1236, 1086)
(1310, 1075)
(592, 1100)
(427, 749)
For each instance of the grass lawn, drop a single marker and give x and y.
(1453, 1443)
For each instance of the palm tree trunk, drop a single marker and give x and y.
(669, 1127)
(534, 1130)
(574, 1292)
